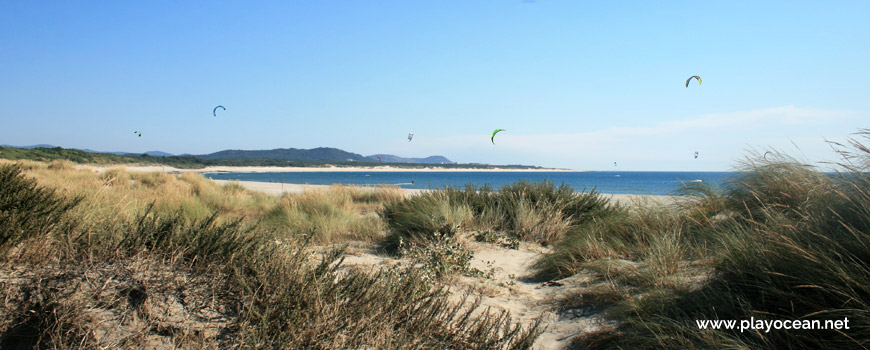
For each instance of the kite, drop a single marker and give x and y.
(696, 154)
(690, 79)
(492, 138)
(379, 159)
(138, 132)
(214, 111)
(765, 155)
(410, 136)
(614, 163)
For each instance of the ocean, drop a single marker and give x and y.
(616, 182)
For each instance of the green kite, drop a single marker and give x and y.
(492, 138)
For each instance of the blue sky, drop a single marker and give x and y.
(577, 84)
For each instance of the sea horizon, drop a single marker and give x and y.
(614, 182)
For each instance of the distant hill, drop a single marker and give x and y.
(30, 147)
(389, 158)
(320, 153)
(277, 157)
(285, 154)
(150, 153)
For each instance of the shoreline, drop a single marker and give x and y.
(271, 169)
(278, 189)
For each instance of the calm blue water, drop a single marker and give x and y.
(622, 182)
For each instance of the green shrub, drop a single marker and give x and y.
(423, 217)
(26, 210)
(534, 211)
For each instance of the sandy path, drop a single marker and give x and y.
(512, 288)
(508, 287)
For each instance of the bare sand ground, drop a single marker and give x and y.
(510, 287)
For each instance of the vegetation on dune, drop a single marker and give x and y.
(26, 210)
(336, 213)
(532, 211)
(784, 241)
(168, 279)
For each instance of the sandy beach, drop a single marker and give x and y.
(268, 169)
(279, 189)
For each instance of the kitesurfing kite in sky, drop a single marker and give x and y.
(696, 154)
(138, 132)
(492, 138)
(690, 79)
(214, 111)
(410, 136)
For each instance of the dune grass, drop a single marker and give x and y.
(533, 211)
(334, 214)
(784, 241)
(166, 279)
(338, 213)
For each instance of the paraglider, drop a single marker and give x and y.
(690, 79)
(137, 132)
(214, 111)
(410, 136)
(492, 138)
(696, 154)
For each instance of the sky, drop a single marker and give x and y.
(576, 84)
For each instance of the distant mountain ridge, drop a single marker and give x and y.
(320, 153)
(288, 154)
(389, 158)
(150, 153)
(42, 145)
